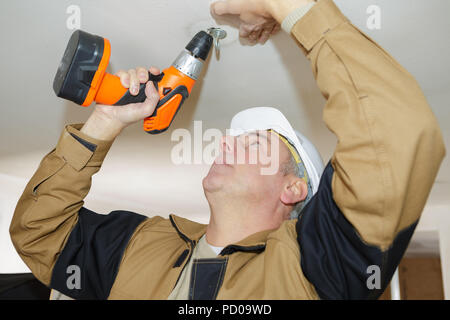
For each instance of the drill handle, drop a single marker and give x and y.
(128, 98)
(173, 88)
(111, 91)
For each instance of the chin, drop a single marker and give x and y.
(212, 182)
(217, 178)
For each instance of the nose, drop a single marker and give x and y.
(227, 144)
(227, 150)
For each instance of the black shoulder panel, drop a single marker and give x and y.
(333, 256)
(93, 251)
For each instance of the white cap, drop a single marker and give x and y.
(265, 118)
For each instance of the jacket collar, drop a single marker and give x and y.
(192, 231)
(189, 230)
(253, 243)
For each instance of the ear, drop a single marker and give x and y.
(294, 192)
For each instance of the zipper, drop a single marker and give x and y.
(192, 244)
(185, 264)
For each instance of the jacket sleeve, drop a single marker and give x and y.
(388, 153)
(66, 246)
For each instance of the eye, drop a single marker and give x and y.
(253, 141)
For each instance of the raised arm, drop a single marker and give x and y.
(388, 153)
(51, 230)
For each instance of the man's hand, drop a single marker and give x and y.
(106, 122)
(259, 18)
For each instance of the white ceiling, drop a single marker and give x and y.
(152, 32)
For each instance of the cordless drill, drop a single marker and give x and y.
(82, 77)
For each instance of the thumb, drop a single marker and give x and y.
(151, 92)
(227, 7)
(152, 98)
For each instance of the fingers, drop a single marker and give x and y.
(134, 82)
(227, 7)
(265, 35)
(151, 92)
(276, 29)
(134, 77)
(254, 36)
(149, 105)
(267, 32)
(154, 70)
(133, 112)
(124, 78)
(129, 79)
(142, 74)
(258, 33)
(245, 30)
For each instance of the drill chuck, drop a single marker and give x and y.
(190, 61)
(200, 45)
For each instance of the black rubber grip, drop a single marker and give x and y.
(128, 98)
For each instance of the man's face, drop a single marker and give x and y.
(248, 166)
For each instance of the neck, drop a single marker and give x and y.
(232, 221)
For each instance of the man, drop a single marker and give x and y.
(360, 219)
